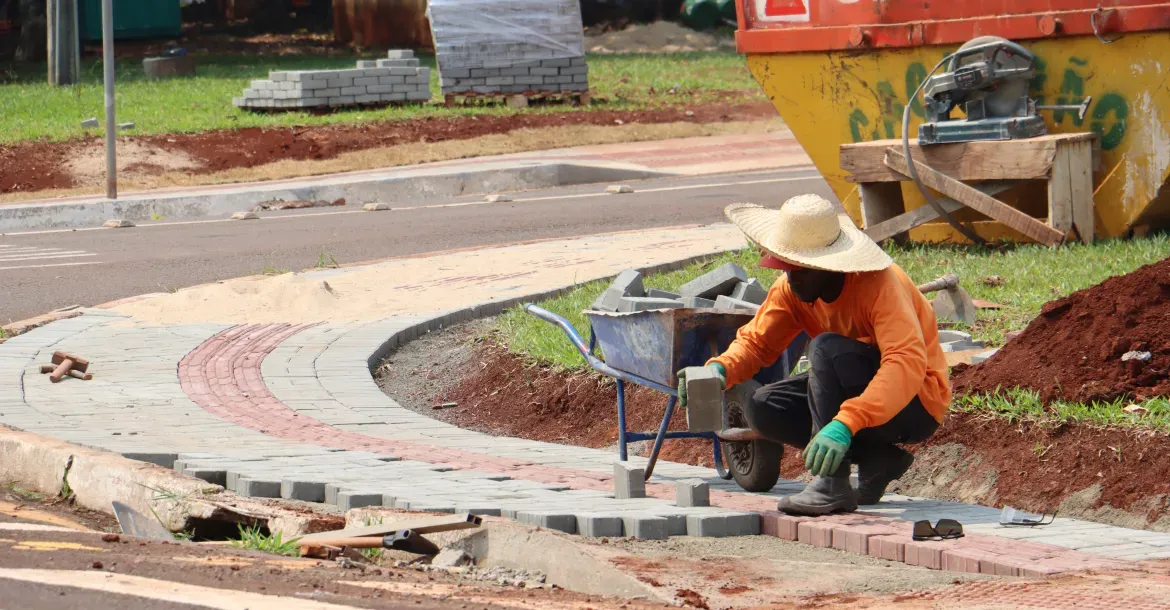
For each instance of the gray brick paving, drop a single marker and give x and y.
(136, 406)
(394, 79)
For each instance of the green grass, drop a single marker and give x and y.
(33, 109)
(1018, 405)
(1032, 275)
(253, 539)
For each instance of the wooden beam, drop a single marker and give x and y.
(920, 216)
(1081, 181)
(881, 201)
(976, 200)
(1029, 159)
(421, 525)
(1060, 216)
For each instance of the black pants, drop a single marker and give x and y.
(793, 410)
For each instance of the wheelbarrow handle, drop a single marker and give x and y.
(594, 362)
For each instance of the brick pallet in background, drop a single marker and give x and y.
(395, 79)
(514, 47)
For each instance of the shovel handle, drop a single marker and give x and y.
(946, 282)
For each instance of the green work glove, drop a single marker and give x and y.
(682, 381)
(824, 453)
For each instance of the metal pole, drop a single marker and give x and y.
(108, 65)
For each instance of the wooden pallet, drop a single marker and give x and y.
(518, 100)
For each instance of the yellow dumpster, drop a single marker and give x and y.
(841, 71)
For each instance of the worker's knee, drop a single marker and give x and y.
(840, 361)
(824, 347)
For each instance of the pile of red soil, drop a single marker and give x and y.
(1073, 350)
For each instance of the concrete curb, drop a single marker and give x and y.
(390, 187)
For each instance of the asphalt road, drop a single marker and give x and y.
(43, 271)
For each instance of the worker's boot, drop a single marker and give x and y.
(878, 469)
(823, 495)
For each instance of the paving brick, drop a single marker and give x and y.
(166, 460)
(816, 533)
(255, 488)
(645, 528)
(599, 526)
(697, 303)
(704, 399)
(692, 492)
(775, 523)
(721, 525)
(726, 302)
(307, 491)
(720, 281)
(561, 522)
(750, 291)
(635, 304)
(347, 500)
(399, 54)
(214, 476)
(892, 548)
(628, 481)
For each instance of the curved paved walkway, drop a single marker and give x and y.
(291, 409)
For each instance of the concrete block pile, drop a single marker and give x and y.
(727, 287)
(396, 79)
(499, 47)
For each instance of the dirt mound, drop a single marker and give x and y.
(657, 37)
(1073, 350)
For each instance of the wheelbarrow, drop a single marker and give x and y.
(648, 348)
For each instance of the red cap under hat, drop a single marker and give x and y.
(768, 261)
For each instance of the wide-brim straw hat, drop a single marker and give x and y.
(808, 232)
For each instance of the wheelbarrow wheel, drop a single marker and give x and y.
(755, 465)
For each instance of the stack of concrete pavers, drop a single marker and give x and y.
(398, 78)
(495, 47)
(727, 287)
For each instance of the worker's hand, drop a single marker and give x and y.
(682, 381)
(824, 453)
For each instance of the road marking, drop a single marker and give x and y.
(163, 590)
(444, 205)
(51, 265)
(31, 256)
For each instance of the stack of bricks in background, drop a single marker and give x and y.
(395, 79)
(494, 47)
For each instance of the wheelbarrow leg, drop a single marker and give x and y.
(661, 436)
(621, 396)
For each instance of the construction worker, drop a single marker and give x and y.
(877, 376)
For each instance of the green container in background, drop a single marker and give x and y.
(701, 14)
(132, 19)
(727, 10)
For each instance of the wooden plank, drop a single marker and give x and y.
(421, 525)
(1081, 181)
(881, 201)
(1029, 159)
(1060, 192)
(976, 200)
(920, 216)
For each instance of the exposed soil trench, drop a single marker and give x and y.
(1106, 475)
(35, 166)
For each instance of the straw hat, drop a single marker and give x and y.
(808, 232)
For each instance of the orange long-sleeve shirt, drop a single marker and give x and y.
(881, 308)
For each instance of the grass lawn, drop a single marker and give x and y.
(1032, 275)
(35, 110)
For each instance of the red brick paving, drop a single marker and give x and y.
(223, 377)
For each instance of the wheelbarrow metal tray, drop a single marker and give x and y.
(656, 344)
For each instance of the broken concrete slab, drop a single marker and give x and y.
(634, 304)
(750, 291)
(721, 281)
(451, 558)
